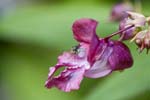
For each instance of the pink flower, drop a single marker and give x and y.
(94, 58)
(118, 11)
(136, 19)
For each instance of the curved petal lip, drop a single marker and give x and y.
(68, 80)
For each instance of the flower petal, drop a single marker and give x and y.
(93, 50)
(101, 66)
(75, 59)
(121, 57)
(138, 19)
(84, 29)
(68, 80)
(128, 34)
(75, 64)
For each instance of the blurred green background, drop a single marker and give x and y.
(34, 32)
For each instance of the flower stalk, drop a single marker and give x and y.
(120, 31)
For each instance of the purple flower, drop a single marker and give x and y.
(118, 11)
(136, 19)
(94, 57)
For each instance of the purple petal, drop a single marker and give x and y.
(128, 34)
(75, 64)
(109, 56)
(73, 59)
(68, 80)
(97, 48)
(121, 57)
(84, 30)
(93, 50)
(100, 66)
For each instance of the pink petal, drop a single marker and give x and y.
(84, 30)
(75, 64)
(128, 34)
(78, 59)
(121, 57)
(137, 19)
(101, 66)
(68, 80)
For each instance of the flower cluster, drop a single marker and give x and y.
(140, 33)
(94, 56)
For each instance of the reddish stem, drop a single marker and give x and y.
(120, 31)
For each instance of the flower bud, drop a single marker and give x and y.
(142, 40)
(139, 38)
(138, 42)
(136, 19)
(147, 40)
(148, 20)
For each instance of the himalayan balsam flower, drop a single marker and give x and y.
(94, 57)
(136, 19)
(118, 11)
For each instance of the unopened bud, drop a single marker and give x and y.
(147, 43)
(139, 40)
(148, 20)
(139, 36)
(147, 40)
